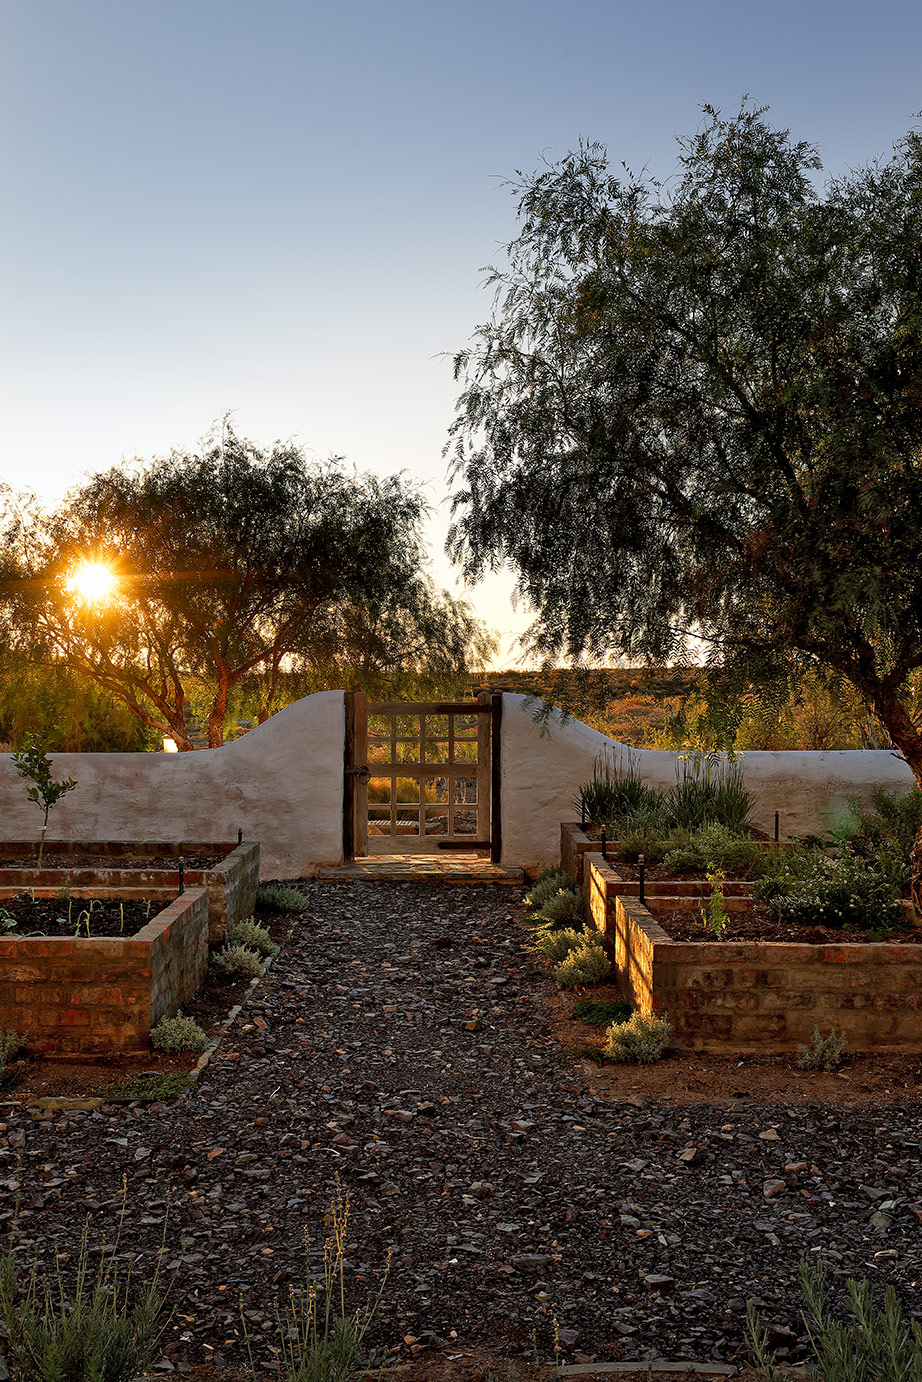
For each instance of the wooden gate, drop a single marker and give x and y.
(422, 776)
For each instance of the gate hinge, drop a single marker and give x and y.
(362, 773)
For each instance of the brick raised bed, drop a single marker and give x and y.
(102, 995)
(762, 995)
(231, 884)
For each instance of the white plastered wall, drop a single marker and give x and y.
(282, 784)
(543, 767)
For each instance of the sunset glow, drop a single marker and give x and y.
(92, 582)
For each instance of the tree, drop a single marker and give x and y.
(226, 564)
(694, 420)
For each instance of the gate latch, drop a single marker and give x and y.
(362, 773)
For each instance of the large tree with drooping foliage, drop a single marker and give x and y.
(695, 417)
(233, 563)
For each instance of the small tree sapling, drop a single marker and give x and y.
(33, 764)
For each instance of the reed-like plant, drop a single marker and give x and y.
(614, 792)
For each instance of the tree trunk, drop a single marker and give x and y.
(898, 723)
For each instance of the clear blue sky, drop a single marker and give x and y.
(282, 208)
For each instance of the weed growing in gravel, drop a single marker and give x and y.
(585, 965)
(824, 1052)
(96, 1331)
(869, 1345)
(174, 1034)
(248, 932)
(239, 962)
(601, 1012)
(318, 1340)
(153, 1088)
(641, 1039)
(545, 886)
(275, 897)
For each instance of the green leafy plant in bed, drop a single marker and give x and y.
(601, 1012)
(247, 931)
(640, 1040)
(545, 886)
(844, 893)
(176, 1034)
(614, 792)
(586, 964)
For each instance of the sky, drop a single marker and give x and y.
(282, 208)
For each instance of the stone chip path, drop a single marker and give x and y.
(399, 1048)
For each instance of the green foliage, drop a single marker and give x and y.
(562, 908)
(614, 792)
(33, 764)
(309, 566)
(585, 964)
(648, 835)
(175, 1034)
(239, 962)
(557, 943)
(715, 845)
(11, 1043)
(319, 1340)
(842, 893)
(708, 790)
(152, 1088)
(275, 897)
(693, 417)
(641, 1040)
(713, 909)
(546, 885)
(64, 711)
(868, 1344)
(601, 1012)
(97, 1330)
(890, 826)
(249, 933)
(824, 1052)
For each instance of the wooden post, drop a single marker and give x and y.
(484, 759)
(496, 778)
(360, 784)
(349, 780)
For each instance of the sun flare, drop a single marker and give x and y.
(93, 582)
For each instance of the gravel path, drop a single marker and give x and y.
(400, 1045)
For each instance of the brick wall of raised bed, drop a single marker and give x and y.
(231, 884)
(101, 995)
(767, 995)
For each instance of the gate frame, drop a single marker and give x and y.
(356, 770)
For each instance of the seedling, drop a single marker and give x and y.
(713, 912)
(33, 764)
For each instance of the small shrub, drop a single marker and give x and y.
(838, 893)
(646, 835)
(174, 1034)
(869, 1345)
(99, 1331)
(545, 886)
(11, 1043)
(564, 907)
(275, 897)
(889, 826)
(824, 1052)
(557, 944)
(641, 1039)
(585, 965)
(714, 845)
(240, 962)
(601, 1012)
(248, 932)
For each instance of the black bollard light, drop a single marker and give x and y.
(777, 830)
(182, 876)
(603, 842)
(641, 869)
(240, 836)
(582, 813)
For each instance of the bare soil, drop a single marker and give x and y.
(112, 861)
(756, 924)
(75, 918)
